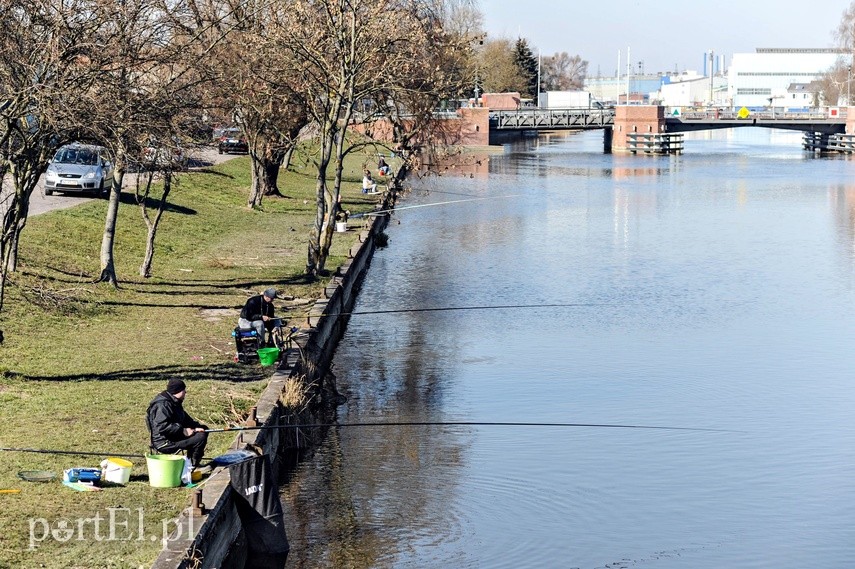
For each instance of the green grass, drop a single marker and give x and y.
(82, 361)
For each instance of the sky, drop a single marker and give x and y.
(662, 33)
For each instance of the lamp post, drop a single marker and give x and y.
(712, 75)
(476, 86)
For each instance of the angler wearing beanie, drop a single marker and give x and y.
(171, 428)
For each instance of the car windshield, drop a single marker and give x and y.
(76, 156)
(231, 133)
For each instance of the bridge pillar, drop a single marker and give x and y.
(641, 119)
(850, 120)
(608, 134)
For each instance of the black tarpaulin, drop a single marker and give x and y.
(260, 511)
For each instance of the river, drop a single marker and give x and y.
(713, 290)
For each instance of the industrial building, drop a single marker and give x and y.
(765, 77)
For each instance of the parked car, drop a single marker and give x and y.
(80, 168)
(231, 140)
(163, 157)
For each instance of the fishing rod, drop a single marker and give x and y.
(386, 424)
(452, 308)
(70, 452)
(465, 424)
(390, 210)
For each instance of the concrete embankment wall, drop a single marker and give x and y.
(213, 536)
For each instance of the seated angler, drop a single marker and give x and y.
(257, 313)
(172, 429)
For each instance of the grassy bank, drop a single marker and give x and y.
(81, 361)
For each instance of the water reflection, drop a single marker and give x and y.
(713, 290)
(842, 200)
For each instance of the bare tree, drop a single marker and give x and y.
(563, 72)
(845, 34)
(45, 53)
(255, 89)
(833, 85)
(339, 51)
(152, 66)
(434, 64)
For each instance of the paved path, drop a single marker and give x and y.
(40, 203)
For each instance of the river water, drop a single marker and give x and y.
(712, 290)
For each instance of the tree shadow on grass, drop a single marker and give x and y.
(190, 283)
(233, 372)
(151, 203)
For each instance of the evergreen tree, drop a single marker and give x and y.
(527, 64)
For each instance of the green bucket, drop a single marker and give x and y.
(164, 470)
(268, 356)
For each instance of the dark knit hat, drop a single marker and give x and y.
(270, 293)
(175, 386)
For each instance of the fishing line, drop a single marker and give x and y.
(390, 210)
(467, 424)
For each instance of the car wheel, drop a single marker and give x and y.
(48, 192)
(219, 149)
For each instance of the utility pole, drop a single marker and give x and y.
(712, 76)
(617, 82)
(538, 78)
(628, 73)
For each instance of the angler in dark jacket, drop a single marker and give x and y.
(171, 428)
(257, 313)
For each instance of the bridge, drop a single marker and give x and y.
(623, 125)
(552, 119)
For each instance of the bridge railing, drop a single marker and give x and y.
(692, 113)
(570, 118)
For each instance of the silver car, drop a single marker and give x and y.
(79, 168)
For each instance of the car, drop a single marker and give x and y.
(79, 168)
(231, 140)
(162, 157)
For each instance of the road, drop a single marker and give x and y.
(40, 203)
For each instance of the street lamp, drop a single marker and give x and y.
(849, 86)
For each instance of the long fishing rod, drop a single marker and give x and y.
(390, 210)
(387, 424)
(465, 424)
(452, 308)
(71, 452)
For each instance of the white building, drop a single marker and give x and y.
(691, 89)
(763, 78)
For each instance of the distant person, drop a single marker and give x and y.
(368, 184)
(258, 313)
(172, 429)
(383, 168)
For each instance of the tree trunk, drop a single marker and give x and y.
(152, 224)
(108, 266)
(314, 262)
(333, 196)
(286, 159)
(270, 165)
(12, 264)
(256, 192)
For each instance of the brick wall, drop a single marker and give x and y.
(636, 118)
